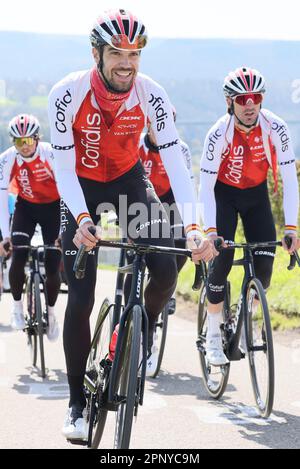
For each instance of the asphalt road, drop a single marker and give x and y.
(177, 413)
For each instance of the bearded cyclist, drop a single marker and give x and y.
(238, 152)
(29, 163)
(96, 120)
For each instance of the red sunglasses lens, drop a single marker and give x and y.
(244, 99)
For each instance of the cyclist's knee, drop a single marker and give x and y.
(264, 269)
(52, 263)
(163, 270)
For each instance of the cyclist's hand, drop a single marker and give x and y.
(58, 243)
(201, 249)
(212, 239)
(83, 236)
(295, 243)
(5, 247)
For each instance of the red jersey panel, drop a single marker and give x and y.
(244, 163)
(98, 148)
(35, 181)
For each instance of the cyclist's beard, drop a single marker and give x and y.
(110, 85)
(240, 122)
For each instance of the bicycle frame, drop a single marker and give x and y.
(233, 351)
(135, 298)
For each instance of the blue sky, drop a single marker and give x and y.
(262, 19)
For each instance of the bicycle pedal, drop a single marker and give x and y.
(78, 442)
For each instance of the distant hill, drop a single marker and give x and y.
(49, 57)
(191, 70)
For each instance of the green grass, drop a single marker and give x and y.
(39, 102)
(7, 102)
(283, 295)
(112, 268)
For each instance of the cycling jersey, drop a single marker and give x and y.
(84, 146)
(242, 160)
(34, 178)
(154, 166)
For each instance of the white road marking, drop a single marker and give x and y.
(49, 390)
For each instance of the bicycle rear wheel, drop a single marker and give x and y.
(96, 377)
(215, 378)
(39, 322)
(161, 328)
(127, 387)
(260, 347)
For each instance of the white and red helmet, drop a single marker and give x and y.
(120, 29)
(24, 125)
(243, 81)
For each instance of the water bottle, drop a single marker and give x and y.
(113, 343)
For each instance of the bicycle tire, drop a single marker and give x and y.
(215, 378)
(29, 320)
(39, 322)
(127, 377)
(263, 344)
(162, 324)
(97, 414)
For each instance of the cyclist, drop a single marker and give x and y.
(96, 120)
(238, 152)
(155, 171)
(29, 162)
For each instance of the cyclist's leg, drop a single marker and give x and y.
(49, 220)
(23, 227)
(259, 226)
(227, 217)
(76, 335)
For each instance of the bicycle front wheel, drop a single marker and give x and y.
(30, 321)
(161, 328)
(127, 393)
(39, 322)
(260, 347)
(96, 374)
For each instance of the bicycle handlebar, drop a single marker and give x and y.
(82, 255)
(32, 248)
(294, 258)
